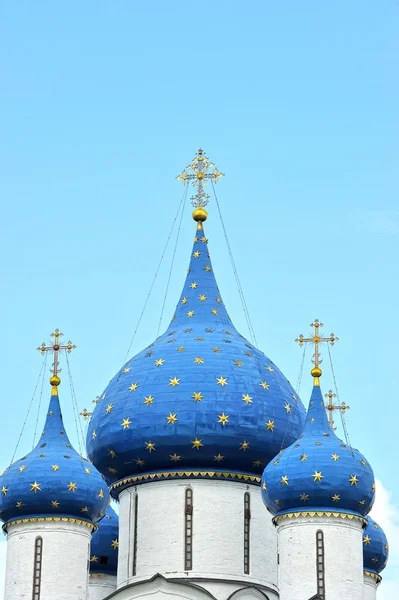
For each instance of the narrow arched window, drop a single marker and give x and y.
(37, 568)
(188, 530)
(247, 519)
(321, 586)
(136, 510)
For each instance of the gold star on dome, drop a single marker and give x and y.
(374, 559)
(148, 400)
(180, 349)
(22, 468)
(115, 544)
(264, 385)
(221, 381)
(94, 558)
(125, 423)
(184, 300)
(214, 311)
(269, 368)
(175, 457)
(373, 487)
(284, 480)
(276, 461)
(216, 349)
(196, 254)
(277, 501)
(159, 362)
(139, 462)
(223, 419)
(317, 476)
(204, 240)
(386, 548)
(303, 457)
(247, 398)
(199, 361)
(363, 463)
(35, 487)
(173, 382)
(100, 493)
(112, 452)
(218, 457)
(239, 363)
(197, 443)
(209, 330)
(133, 387)
(84, 509)
(270, 425)
(287, 407)
(194, 285)
(207, 268)
(312, 420)
(4, 490)
(362, 502)
(103, 396)
(109, 408)
(367, 540)
(218, 300)
(93, 434)
(199, 339)
(150, 446)
(304, 497)
(55, 504)
(150, 353)
(189, 330)
(196, 239)
(295, 398)
(244, 445)
(126, 370)
(55, 467)
(202, 298)
(353, 480)
(335, 498)
(335, 456)
(197, 396)
(20, 505)
(191, 313)
(172, 418)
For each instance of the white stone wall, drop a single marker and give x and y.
(218, 533)
(370, 587)
(64, 573)
(343, 562)
(100, 586)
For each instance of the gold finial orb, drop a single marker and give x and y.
(316, 372)
(200, 215)
(55, 380)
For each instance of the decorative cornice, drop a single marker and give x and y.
(312, 513)
(375, 576)
(147, 477)
(81, 522)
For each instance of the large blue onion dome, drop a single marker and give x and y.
(53, 479)
(318, 471)
(199, 398)
(375, 547)
(104, 545)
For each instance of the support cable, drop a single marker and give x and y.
(299, 380)
(240, 290)
(41, 373)
(172, 263)
(155, 276)
(75, 410)
(40, 403)
(341, 411)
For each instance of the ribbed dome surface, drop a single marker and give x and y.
(53, 479)
(318, 471)
(199, 397)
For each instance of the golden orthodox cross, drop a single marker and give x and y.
(330, 406)
(85, 414)
(56, 347)
(316, 339)
(199, 176)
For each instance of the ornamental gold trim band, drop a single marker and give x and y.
(88, 524)
(316, 513)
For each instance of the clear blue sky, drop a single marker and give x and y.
(103, 103)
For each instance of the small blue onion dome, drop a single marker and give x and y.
(53, 479)
(199, 397)
(104, 545)
(375, 547)
(319, 471)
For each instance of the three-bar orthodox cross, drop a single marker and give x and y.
(56, 347)
(316, 339)
(199, 175)
(330, 406)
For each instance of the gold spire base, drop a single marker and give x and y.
(200, 215)
(54, 382)
(316, 373)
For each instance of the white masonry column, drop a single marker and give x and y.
(47, 558)
(101, 585)
(320, 552)
(371, 583)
